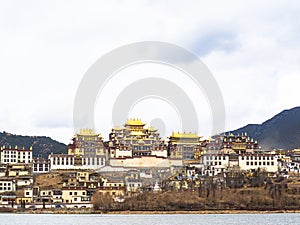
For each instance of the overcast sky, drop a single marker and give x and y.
(252, 49)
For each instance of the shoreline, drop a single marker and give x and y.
(206, 212)
(202, 212)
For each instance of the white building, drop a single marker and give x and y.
(268, 162)
(28, 192)
(75, 195)
(217, 163)
(7, 184)
(23, 181)
(66, 162)
(57, 195)
(41, 165)
(15, 155)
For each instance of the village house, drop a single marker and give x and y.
(69, 179)
(133, 182)
(8, 200)
(90, 180)
(44, 195)
(57, 196)
(113, 182)
(15, 177)
(24, 195)
(7, 184)
(116, 192)
(40, 165)
(75, 195)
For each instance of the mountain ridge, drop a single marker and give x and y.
(42, 146)
(282, 131)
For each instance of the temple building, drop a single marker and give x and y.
(134, 139)
(86, 143)
(85, 152)
(185, 146)
(230, 144)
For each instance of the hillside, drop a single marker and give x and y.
(42, 146)
(280, 132)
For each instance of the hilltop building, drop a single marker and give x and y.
(232, 144)
(86, 143)
(134, 140)
(137, 146)
(185, 146)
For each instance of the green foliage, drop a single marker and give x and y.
(42, 146)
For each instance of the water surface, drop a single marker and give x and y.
(174, 219)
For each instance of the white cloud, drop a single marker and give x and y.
(252, 48)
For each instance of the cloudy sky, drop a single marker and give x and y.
(46, 47)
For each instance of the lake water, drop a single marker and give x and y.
(174, 219)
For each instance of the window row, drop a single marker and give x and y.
(264, 163)
(257, 158)
(214, 163)
(85, 161)
(5, 184)
(15, 161)
(5, 188)
(215, 157)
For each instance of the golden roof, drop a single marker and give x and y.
(134, 122)
(87, 132)
(150, 128)
(184, 135)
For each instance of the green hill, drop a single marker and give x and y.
(42, 146)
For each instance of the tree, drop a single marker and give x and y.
(102, 201)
